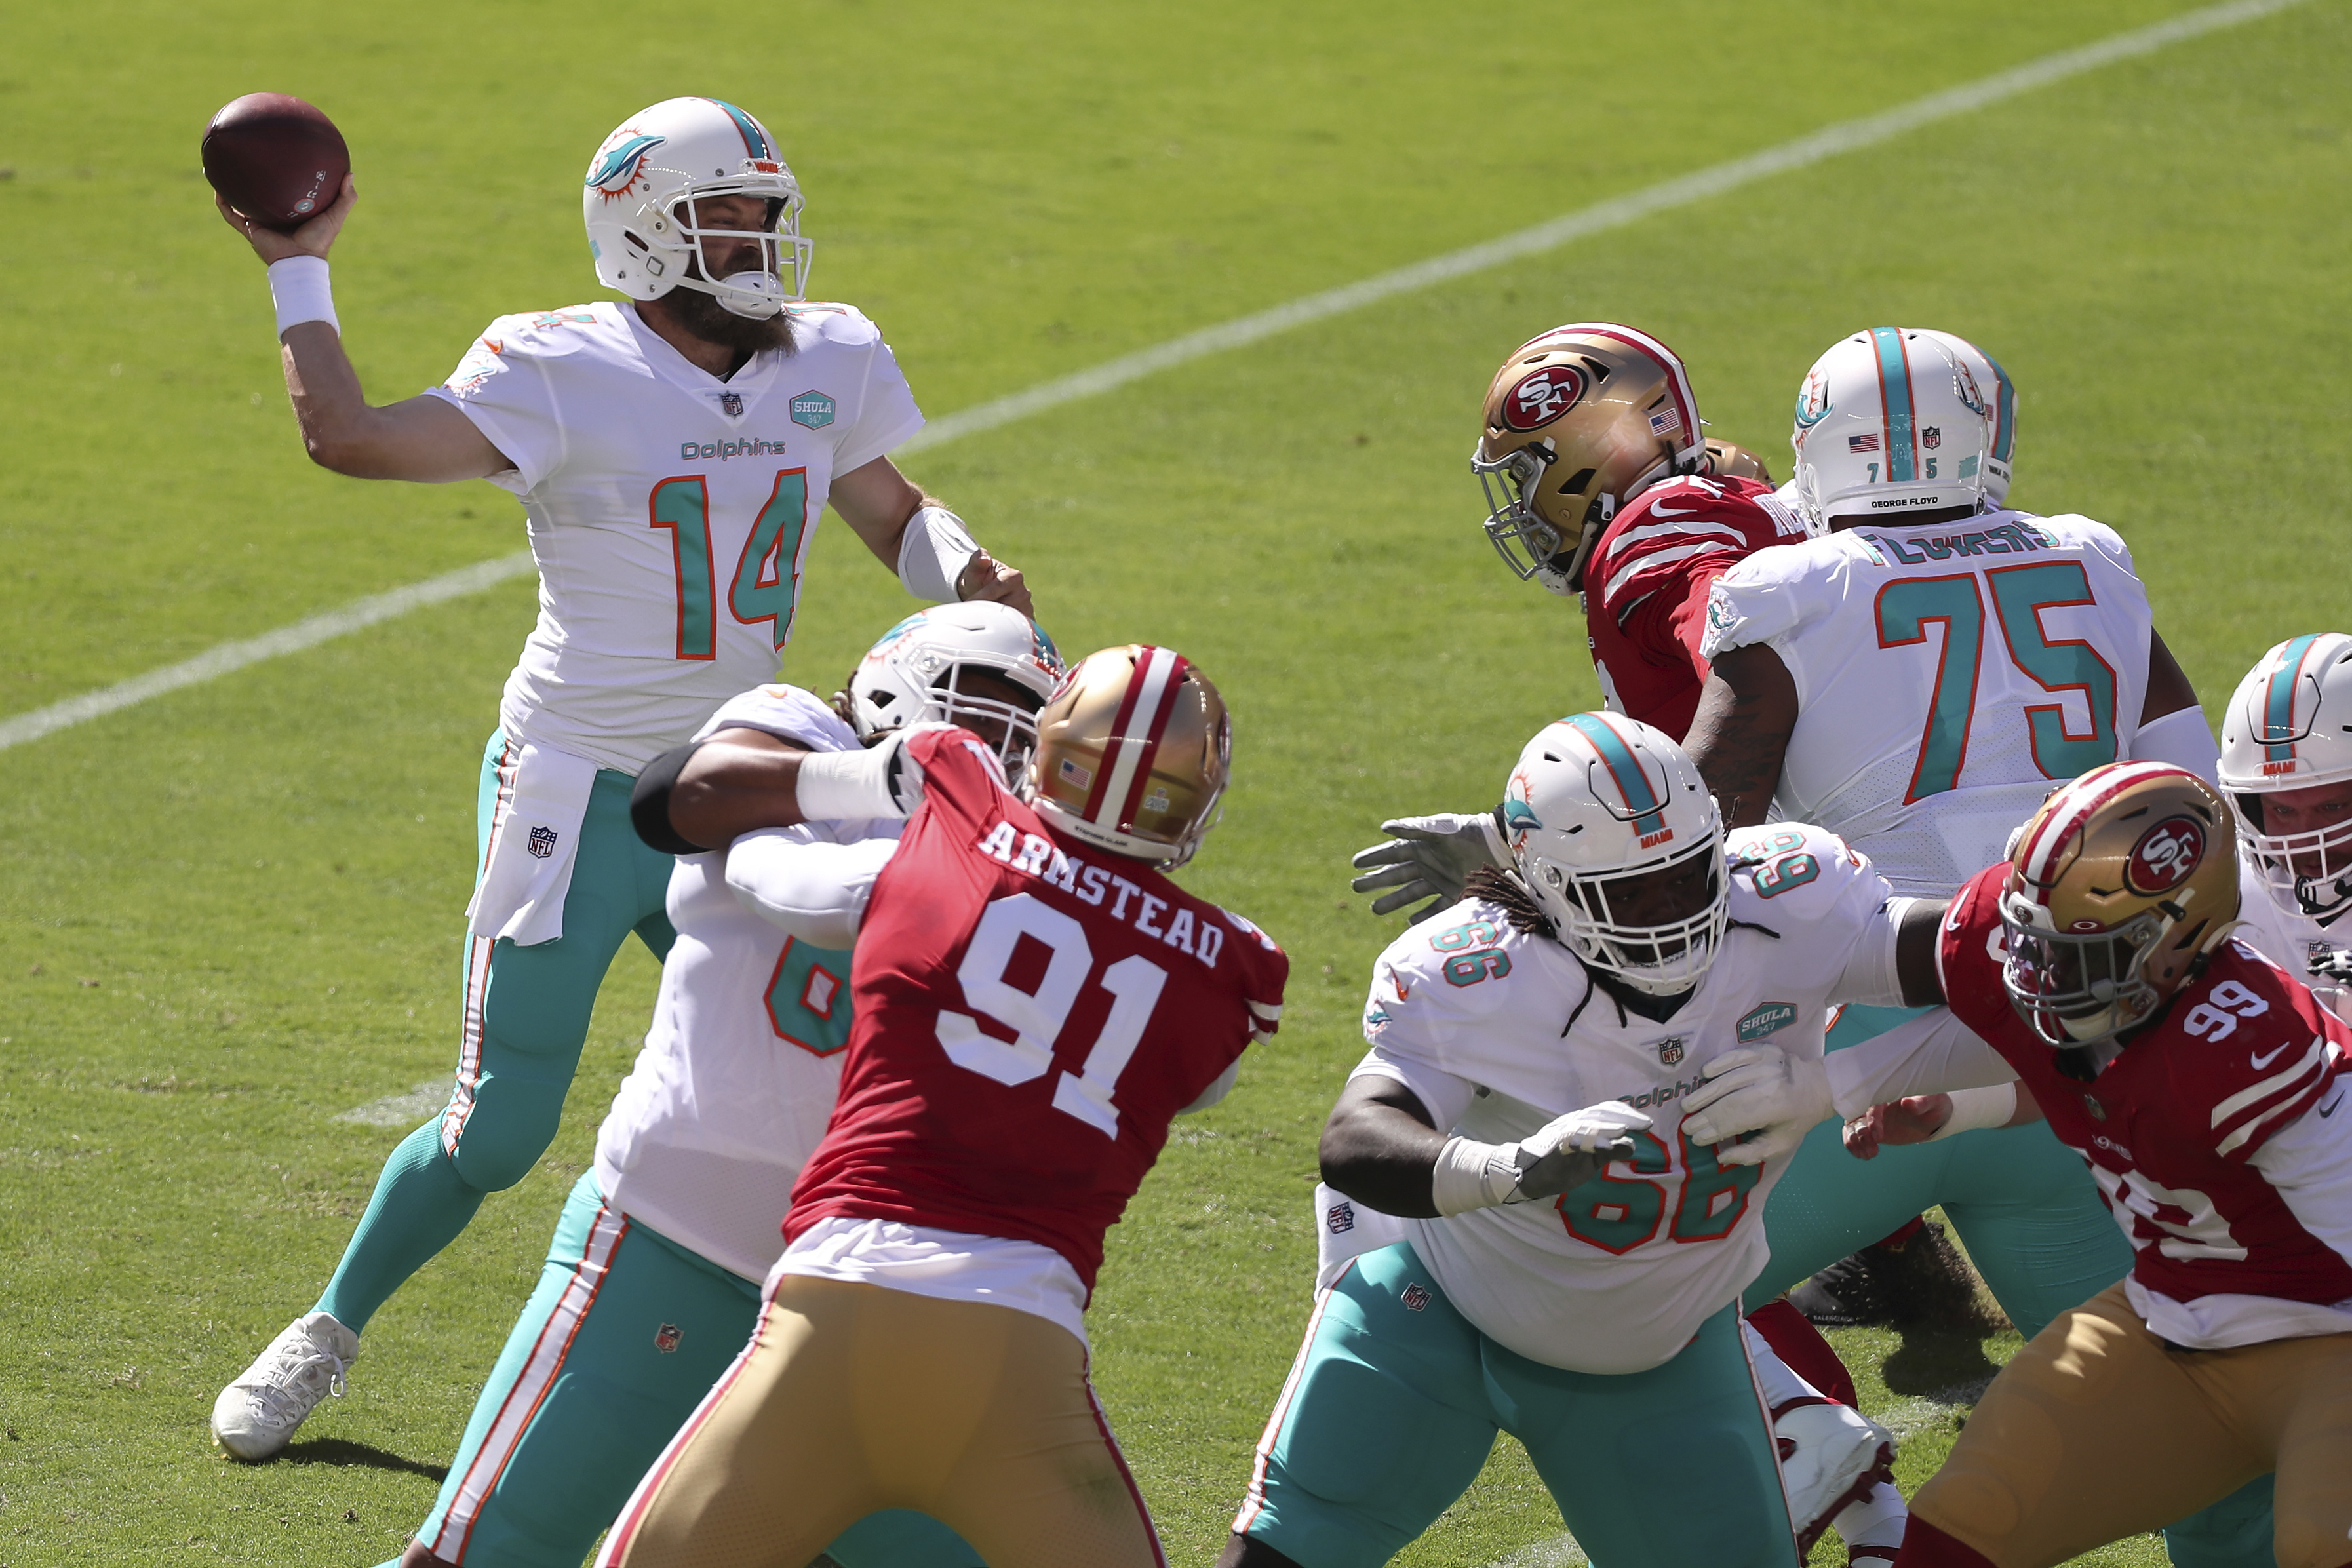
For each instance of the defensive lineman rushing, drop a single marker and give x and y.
(673, 454)
(1034, 1001)
(1576, 1262)
(651, 1285)
(2201, 1085)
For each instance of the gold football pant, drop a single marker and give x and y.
(856, 1397)
(2098, 1431)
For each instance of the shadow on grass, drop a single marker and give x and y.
(340, 1453)
(1930, 1360)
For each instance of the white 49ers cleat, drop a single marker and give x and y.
(1831, 1455)
(256, 1415)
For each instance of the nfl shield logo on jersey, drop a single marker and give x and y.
(666, 1337)
(812, 409)
(542, 842)
(730, 403)
(1671, 1051)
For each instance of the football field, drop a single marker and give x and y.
(231, 916)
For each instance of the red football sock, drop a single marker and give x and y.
(1801, 1344)
(1925, 1546)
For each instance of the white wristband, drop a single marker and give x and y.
(299, 287)
(1975, 1107)
(1465, 1176)
(842, 786)
(933, 553)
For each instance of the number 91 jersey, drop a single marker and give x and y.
(1498, 1031)
(1031, 1014)
(670, 512)
(1949, 676)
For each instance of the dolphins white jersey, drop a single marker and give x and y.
(670, 512)
(1498, 1032)
(1950, 677)
(2291, 941)
(740, 1067)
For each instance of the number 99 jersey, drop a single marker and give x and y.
(1949, 677)
(1031, 1015)
(1498, 1031)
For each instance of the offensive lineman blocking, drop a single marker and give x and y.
(673, 454)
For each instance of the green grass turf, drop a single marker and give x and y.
(232, 914)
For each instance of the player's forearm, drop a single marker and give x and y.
(1745, 715)
(1379, 1155)
(1932, 1054)
(728, 789)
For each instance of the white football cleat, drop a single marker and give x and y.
(1830, 1456)
(256, 1415)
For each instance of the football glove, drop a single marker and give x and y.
(1566, 1152)
(1763, 1092)
(1428, 857)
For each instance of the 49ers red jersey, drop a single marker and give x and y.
(2179, 1131)
(1031, 1014)
(1645, 588)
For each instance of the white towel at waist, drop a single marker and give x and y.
(534, 838)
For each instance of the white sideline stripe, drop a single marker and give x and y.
(407, 1109)
(235, 656)
(1830, 142)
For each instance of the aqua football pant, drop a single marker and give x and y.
(1395, 1398)
(626, 1334)
(525, 1018)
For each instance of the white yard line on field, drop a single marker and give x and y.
(405, 1109)
(1830, 142)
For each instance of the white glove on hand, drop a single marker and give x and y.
(1762, 1091)
(1428, 857)
(1566, 1152)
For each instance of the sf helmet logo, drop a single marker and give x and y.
(2166, 855)
(1543, 396)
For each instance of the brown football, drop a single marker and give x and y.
(276, 159)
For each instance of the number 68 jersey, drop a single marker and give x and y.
(1031, 1015)
(1498, 1031)
(1949, 677)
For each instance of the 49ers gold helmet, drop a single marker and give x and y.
(1133, 749)
(2119, 886)
(1726, 461)
(1578, 422)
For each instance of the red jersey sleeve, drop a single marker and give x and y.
(2256, 1051)
(1674, 534)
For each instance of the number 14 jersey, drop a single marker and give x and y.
(1031, 1015)
(670, 512)
(1949, 676)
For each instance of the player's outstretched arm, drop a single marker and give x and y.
(1380, 1148)
(922, 540)
(1745, 715)
(707, 794)
(421, 438)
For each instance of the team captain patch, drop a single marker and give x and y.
(1768, 1019)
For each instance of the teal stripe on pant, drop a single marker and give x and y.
(2032, 1222)
(534, 1009)
(1396, 1400)
(625, 1334)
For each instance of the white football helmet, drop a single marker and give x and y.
(1597, 803)
(2001, 397)
(1891, 421)
(639, 194)
(915, 675)
(2289, 727)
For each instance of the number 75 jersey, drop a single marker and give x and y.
(1031, 1014)
(1948, 676)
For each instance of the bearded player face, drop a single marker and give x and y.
(705, 317)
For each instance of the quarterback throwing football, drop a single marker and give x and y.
(673, 454)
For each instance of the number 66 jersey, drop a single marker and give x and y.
(1031, 1014)
(1497, 1031)
(1949, 677)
